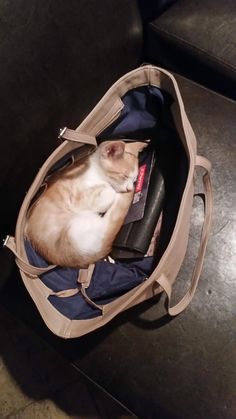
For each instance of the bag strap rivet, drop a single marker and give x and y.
(62, 132)
(4, 241)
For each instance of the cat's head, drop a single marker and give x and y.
(119, 162)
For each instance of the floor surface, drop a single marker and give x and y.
(36, 382)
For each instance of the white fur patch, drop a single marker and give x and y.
(94, 175)
(129, 183)
(87, 240)
(107, 197)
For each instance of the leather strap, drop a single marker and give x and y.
(77, 136)
(65, 293)
(84, 279)
(163, 280)
(85, 275)
(22, 264)
(71, 135)
(89, 301)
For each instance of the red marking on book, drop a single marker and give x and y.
(140, 180)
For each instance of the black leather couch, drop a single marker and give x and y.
(57, 60)
(197, 39)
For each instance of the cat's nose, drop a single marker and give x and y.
(129, 185)
(135, 176)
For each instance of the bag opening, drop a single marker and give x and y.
(146, 115)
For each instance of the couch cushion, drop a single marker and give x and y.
(198, 40)
(150, 9)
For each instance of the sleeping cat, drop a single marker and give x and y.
(75, 221)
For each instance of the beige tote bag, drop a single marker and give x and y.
(83, 141)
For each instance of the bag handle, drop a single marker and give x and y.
(76, 136)
(208, 203)
(24, 266)
(73, 136)
(162, 280)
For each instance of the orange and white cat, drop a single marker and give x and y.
(75, 221)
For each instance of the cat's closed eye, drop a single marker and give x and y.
(124, 176)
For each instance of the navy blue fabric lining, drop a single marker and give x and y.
(109, 281)
(146, 111)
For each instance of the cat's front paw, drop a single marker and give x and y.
(126, 186)
(106, 199)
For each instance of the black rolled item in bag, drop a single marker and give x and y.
(134, 239)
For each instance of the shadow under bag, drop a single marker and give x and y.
(144, 104)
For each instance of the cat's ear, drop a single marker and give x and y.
(113, 149)
(136, 147)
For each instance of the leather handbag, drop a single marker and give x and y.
(144, 103)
